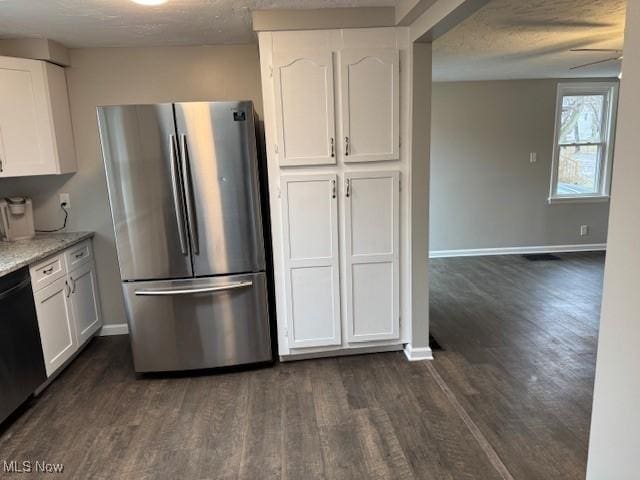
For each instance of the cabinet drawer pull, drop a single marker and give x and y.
(348, 190)
(333, 189)
(333, 147)
(47, 271)
(80, 255)
(67, 289)
(73, 282)
(346, 145)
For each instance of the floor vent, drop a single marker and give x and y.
(540, 257)
(433, 344)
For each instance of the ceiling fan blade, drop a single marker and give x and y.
(595, 63)
(595, 50)
(549, 23)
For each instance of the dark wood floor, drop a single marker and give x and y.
(520, 350)
(520, 345)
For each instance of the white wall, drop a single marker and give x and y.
(120, 76)
(484, 191)
(614, 449)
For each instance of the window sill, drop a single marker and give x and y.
(581, 199)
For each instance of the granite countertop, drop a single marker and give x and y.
(15, 255)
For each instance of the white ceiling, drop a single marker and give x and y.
(506, 39)
(118, 23)
(510, 39)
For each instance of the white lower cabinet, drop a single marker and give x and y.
(372, 232)
(57, 328)
(67, 305)
(370, 249)
(84, 302)
(311, 264)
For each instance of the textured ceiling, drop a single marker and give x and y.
(506, 39)
(116, 23)
(509, 39)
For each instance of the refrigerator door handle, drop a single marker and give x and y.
(188, 188)
(191, 291)
(177, 193)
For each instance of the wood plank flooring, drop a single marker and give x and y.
(369, 416)
(520, 349)
(520, 346)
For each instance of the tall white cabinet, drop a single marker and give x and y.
(333, 121)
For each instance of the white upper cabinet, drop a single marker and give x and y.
(372, 230)
(35, 123)
(370, 96)
(310, 228)
(304, 97)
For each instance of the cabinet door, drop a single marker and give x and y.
(25, 138)
(304, 108)
(370, 95)
(55, 320)
(312, 282)
(84, 302)
(372, 255)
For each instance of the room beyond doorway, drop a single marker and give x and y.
(519, 350)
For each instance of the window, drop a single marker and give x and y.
(583, 147)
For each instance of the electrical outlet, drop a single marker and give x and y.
(584, 230)
(65, 198)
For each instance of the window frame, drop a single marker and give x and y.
(610, 92)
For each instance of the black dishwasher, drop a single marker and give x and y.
(21, 361)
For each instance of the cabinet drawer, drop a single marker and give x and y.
(47, 271)
(78, 254)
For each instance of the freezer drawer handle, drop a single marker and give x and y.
(190, 291)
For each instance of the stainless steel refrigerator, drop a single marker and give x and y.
(185, 201)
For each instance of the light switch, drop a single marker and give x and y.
(533, 157)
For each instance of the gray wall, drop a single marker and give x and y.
(108, 76)
(614, 445)
(484, 191)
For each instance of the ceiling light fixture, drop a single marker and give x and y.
(150, 2)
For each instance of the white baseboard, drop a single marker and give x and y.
(117, 329)
(340, 352)
(478, 252)
(417, 354)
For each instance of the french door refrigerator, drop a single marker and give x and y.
(185, 201)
